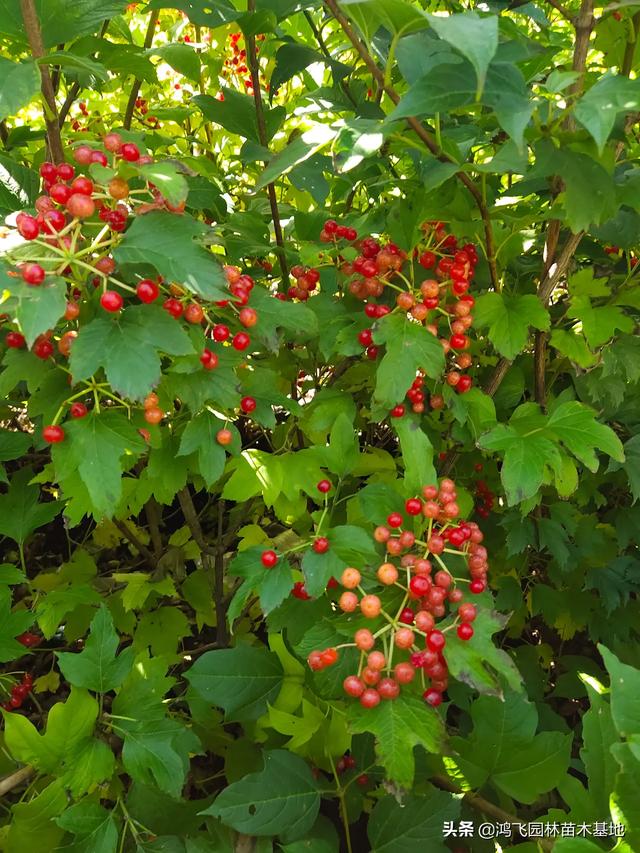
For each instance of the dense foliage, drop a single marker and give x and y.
(319, 466)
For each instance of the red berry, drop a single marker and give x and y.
(476, 587)
(370, 698)
(53, 434)
(248, 317)
(397, 411)
(324, 486)
(14, 340)
(465, 631)
(48, 172)
(60, 193)
(240, 341)
(353, 686)
(28, 227)
(321, 545)
(388, 688)
(33, 274)
(464, 384)
(372, 353)
(111, 301)
(247, 404)
(269, 559)
(78, 410)
(394, 520)
(147, 290)
(220, 333)
(173, 307)
(82, 185)
(43, 348)
(419, 585)
(413, 506)
(81, 206)
(299, 591)
(432, 697)
(364, 337)
(436, 641)
(406, 616)
(130, 152)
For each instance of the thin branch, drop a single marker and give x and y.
(486, 807)
(8, 783)
(254, 69)
(566, 14)
(193, 522)
(140, 547)
(34, 35)
(131, 103)
(154, 518)
(425, 135)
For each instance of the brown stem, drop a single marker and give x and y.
(566, 14)
(154, 518)
(140, 547)
(193, 522)
(254, 68)
(8, 783)
(131, 103)
(485, 806)
(425, 135)
(34, 35)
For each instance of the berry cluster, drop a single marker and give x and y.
(307, 279)
(19, 693)
(484, 499)
(236, 66)
(418, 538)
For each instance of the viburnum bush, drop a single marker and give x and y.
(319, 464)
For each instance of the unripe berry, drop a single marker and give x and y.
(224, 437)
(404, 672)
(404, 638)
(348, 602)
(350, 578)
(376, 661)
(364, 639)
(370, 606)
(387, 574)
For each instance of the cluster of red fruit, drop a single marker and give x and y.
(19, 693)
(431, 593)
(236, 66)
(307, 279)
(485, 499)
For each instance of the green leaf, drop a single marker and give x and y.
(474, 36)
(205, 13)
(589, 196)
(182, 57)
(94, 447)
(599, 107)
(169, 243)
(32, 825)
(508, 319)
(281, 799)
(417, 454)
(20, 512)
(242, 680)
(294, 317)
(296, 152)
(632, 465)
(167, 178)
(39, 308)
(409, 346)
(199, 437)
(319, 568)
(61, 602)
(20, 83)
(598, 736)
(12, 624)
(573, 346)
(414, 823)
(343, 450)
(95, 829)
(18, 185)
(97, 667)
(505, 749)
(398, 727)
(526, 460)
(479, 663)
(65, 59)
(396, 16)
(599, 324)
(59, 20)
(237, 114)
(625, 683)
(128, 348)
(67, 749)
(575, 425)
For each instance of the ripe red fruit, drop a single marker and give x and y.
(147, 290)
(33, 274)
(78, 410)
(436, 641)
(28, 227)
(432, 697)
(465, 631)
(248, 317)
(321, 545)
(173, 306)
(413, 506)
(404, 672)
(193, 313)
(14, 340)
(476, 587)
(353, 686)
(247, 404)
(397, 411)
(240, 341)
(467, 612)
(364, 337)
(372, 353)
(315, 661)
(43, 348)
(324, 486)
(394, 519)
(329, 657)
(82, 155)
(112, 142)
(389, 688)
(224, 437)
(419, 585)
(370, 698)
(208, 359)
(111, 301)
(48, 172)
(299, 591)
(60, 193)
(130, 152)
(54, 220)
(269, 559)
(220, 333)
(82, 185)
(81, 206)
(53, 434)
(464, 384)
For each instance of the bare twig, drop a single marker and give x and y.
(254, 69)
(131, 103)
(425, 135)
(34, 35)
(8, 783)
(140, 547)
(193, 522)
